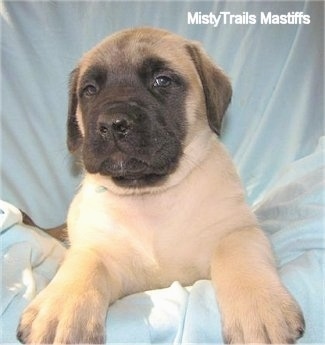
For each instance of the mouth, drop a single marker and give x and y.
(132, 173)
(137, 181)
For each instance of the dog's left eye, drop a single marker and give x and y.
(162, 81)
(90, 90)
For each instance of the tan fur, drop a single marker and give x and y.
(194, 226)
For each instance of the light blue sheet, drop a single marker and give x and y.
(273, 130)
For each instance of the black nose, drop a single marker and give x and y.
(121, 126)
(118, 124)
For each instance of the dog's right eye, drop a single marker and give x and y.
(162, 81)
(90, 90)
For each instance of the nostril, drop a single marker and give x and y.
(121, 126)
(117, 125)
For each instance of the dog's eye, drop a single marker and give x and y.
(162, 81)
(90, 90)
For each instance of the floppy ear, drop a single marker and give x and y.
(74, 138)
(216, 86)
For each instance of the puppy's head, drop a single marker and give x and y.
(139, 101)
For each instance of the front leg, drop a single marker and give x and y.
(255, 306)
(73, 307)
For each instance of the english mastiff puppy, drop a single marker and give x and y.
(160, 200)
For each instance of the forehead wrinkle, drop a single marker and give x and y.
(93, 72)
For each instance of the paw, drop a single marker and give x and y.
(64, 316)
(264, 317)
